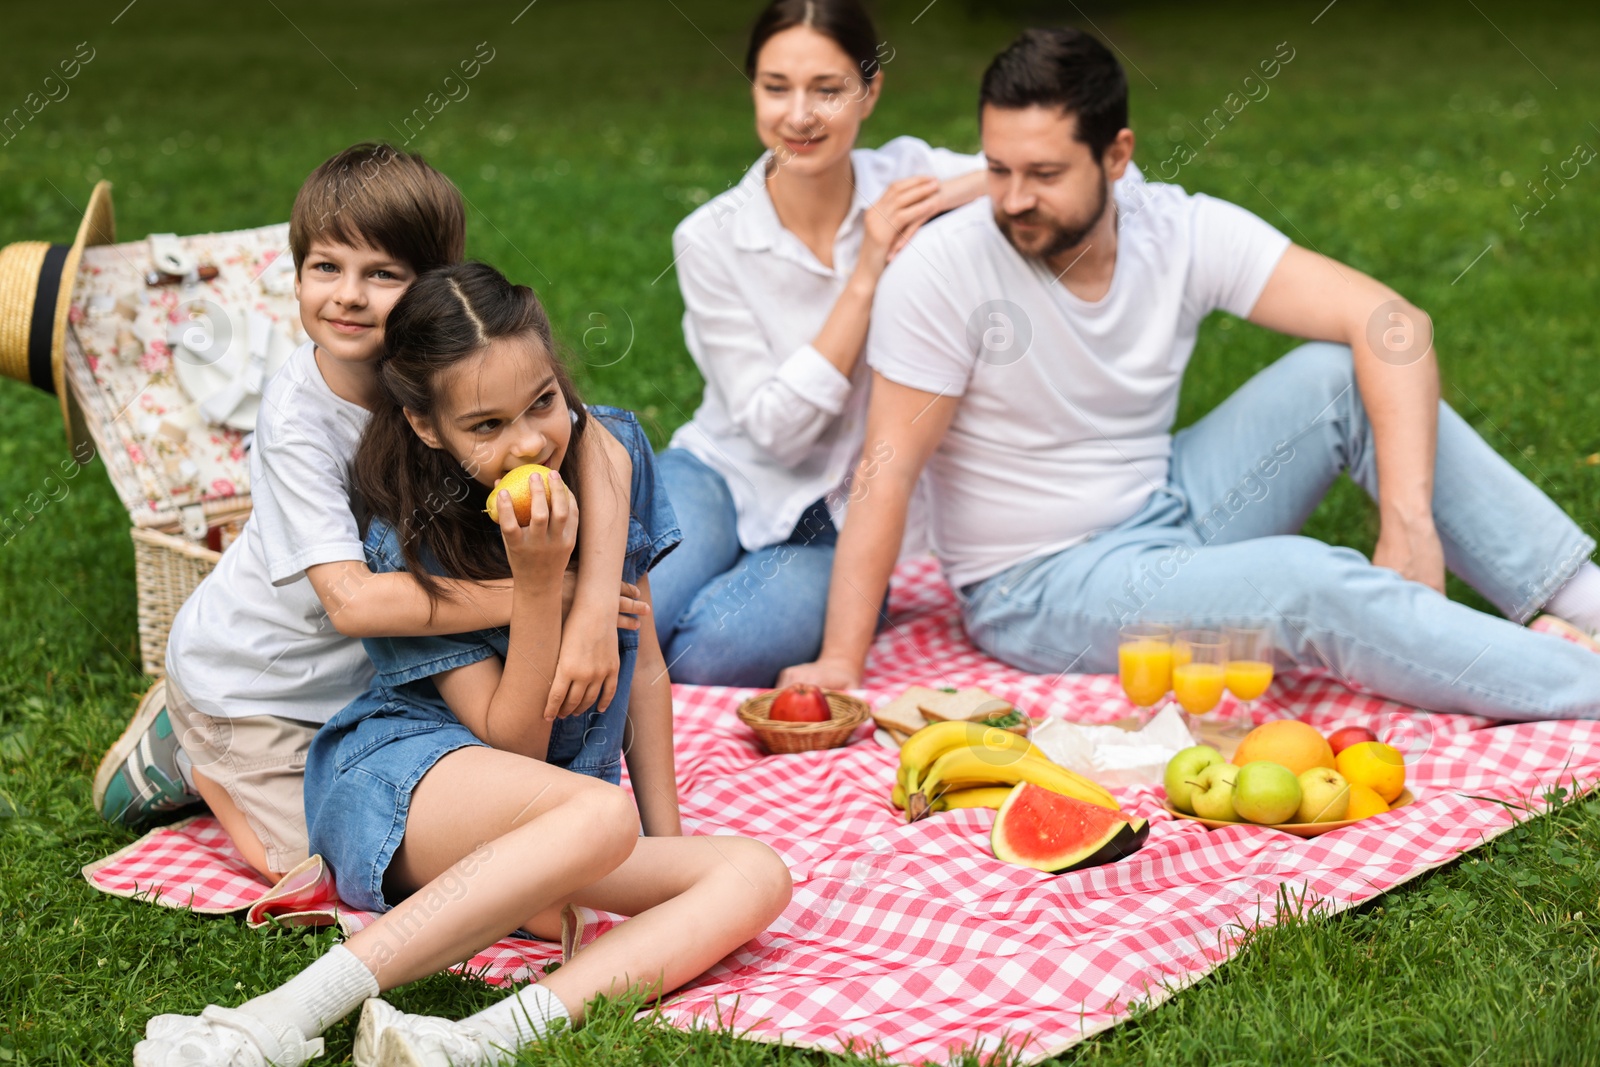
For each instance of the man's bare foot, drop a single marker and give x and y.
(1550, 624)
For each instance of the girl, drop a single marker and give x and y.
(443, 797)
(778, 276)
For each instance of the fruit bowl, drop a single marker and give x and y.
(1298, 829)
(779, 737)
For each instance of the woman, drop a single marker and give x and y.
(778, 276)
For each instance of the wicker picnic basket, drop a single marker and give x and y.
(183, 480)
(152, 349)
(166, 569)
(780, 737)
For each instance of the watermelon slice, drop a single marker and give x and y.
(1049, 832)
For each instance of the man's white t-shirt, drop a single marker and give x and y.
(1064, 425)
(254, 638)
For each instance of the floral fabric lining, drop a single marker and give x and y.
(163, 455)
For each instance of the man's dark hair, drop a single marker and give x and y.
(1063, 68)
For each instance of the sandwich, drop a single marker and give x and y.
(902, 716)
(920, 705)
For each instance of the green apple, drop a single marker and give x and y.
(1265, 792)
(1324, 796)
(1212, 792)
(1182, 770)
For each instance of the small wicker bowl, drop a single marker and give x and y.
(781, 737)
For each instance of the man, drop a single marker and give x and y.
(1028, 350)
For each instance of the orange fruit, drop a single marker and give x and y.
(1287, 741)
(1364, 802)
(1377, 766)
(516, 483)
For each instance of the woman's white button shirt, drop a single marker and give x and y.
(779, 422)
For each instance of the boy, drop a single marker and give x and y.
(267, 649)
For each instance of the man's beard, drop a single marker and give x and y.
(1059, 238)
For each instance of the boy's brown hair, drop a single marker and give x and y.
(376, 195)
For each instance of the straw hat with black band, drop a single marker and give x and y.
(36, 283)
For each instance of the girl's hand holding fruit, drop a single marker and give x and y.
(538, 549)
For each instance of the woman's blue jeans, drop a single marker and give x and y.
(726, 616)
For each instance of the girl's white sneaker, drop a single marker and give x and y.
(221, 1037)
(389, 1037)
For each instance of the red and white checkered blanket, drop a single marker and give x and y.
(914, 938)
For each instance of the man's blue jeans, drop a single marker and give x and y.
(726, 616)
(1219, 542)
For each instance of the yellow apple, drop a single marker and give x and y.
(516, 483)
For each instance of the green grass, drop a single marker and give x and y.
(1398, 142)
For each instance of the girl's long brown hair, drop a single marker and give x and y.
(434, 504)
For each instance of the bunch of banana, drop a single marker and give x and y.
(931, 742)
(966, 769)
(987, 797)
(959, 764)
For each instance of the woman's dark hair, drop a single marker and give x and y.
(845, 22)
(447, 316)
(1063, 68)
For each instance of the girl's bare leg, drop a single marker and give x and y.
(692, 900)
(553, 838)
(490, 836)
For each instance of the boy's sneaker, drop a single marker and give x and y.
(389, 1037)
(139, 779)
(221, 1037)
(1550, 624)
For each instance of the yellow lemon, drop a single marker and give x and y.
(1364, 802)
(1377, 766)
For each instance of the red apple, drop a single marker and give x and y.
(800, 703)
(1340, 740)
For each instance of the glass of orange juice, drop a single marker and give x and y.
(1144, 662)
(1249, 670)
(1199, 672)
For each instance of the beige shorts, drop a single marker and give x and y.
(261, 761)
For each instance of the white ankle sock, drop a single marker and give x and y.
(520, 1018)
(1578, 601)
(318, 996)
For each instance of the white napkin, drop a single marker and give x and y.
(1112, 756)
(168, 255)
(220, 405)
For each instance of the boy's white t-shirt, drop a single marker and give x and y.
(1064, 425)
(254, 638)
